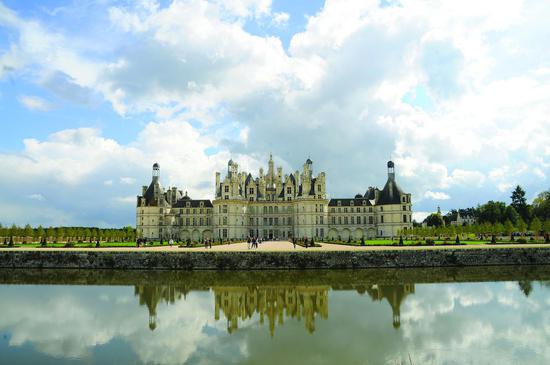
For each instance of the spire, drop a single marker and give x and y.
(391, 170)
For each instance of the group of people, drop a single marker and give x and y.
(207, 243)
(253, 242)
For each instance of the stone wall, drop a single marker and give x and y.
(258, 260)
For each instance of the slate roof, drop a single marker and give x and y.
(391, 193)
(193, 203)
(345, 202)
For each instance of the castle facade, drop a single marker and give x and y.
(272, 206)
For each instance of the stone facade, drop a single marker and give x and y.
(272, 206)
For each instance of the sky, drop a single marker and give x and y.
(92, 93)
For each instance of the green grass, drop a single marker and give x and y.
(386, 242)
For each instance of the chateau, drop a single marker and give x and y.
(272, 206)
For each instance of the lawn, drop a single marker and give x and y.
(422, 242)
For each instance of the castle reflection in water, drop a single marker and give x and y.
(277, 303)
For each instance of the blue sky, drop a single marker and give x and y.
(93, 92)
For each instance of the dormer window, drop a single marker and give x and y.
(187, 204)
(351, 203)
(201, 204)
(339, 203)
(364, 202)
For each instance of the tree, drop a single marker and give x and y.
(541, 206)
(522, 226)
(508, 228)
(511, 214)
(535, 226)
(40, 233)
(434, 220)
(50, 233)
(491, 212)
(519, 202)
(499, 228)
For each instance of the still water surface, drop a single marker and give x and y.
(427, 316)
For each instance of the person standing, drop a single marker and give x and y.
(248, 241)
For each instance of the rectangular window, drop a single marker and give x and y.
(226, 189)
(381, 219)
(270, 221)
(322, 232)
(186, 221)
(339, 220)
(224, 221)
(404, 218)
(321, 220)
(333, 220)
(404, 208)
(251, 191)
(289, 190)
(225, 233)
(345, 210)
(276, 209)
(345, 220)
(224, 210)
(371, 220)
(352, 220)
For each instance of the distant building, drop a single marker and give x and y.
(462, 219)
(272, 205)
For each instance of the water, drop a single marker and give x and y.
(498, 315)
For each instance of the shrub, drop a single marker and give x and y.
(457, 240)
(362, 241)
(429, 241)
(522, 240)
(349, 239)
(69, 244)
(400, 240)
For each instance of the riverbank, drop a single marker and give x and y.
(275, 256)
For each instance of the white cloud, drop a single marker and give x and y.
(127, 180)
(126, 199)
(38, 197)
(280, 19)
(436, 195)
(35, 103)
(341, 83)
(108, 182)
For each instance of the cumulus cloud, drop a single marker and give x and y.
(436, 195)
(35, 103)
(337, 94)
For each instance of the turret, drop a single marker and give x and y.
(156, 172)
(391, 170)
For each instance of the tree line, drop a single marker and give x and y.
(517, 216)
(29, 234)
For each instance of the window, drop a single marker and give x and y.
(225, 233)
(251, 199)
(289, 221)
(276, 221)
(404, 208)
(358, 220)
(276, 210)
(270, 221)
(364, 202)
(224, 221)
(339, 220)
(352, 220)
(265, 221)
(194, 211)
(186, 221)
(187, 210)
(345, 210)
(351, 203)
(338, 203)
(226, 189)
(365, 220)
(381, 209)
(381, 219)
(345, 220)
(288, 198)
(251, 191)
(321, 220)
(226, 197)
(332, 210)
(265, 210)
(289, 190)
(270, 210)
(339, 210)
(370, 209)
(200, 221)
(333, 220)
(318, 187)
(194, 221)
(322, 232)
(403, 200)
